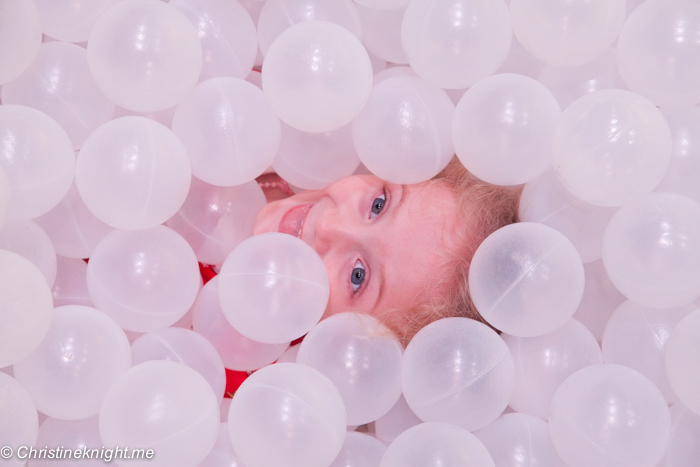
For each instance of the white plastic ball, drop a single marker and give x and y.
(381, 32)
(133, 173)
(145, 280)
(682, 360)
(383, 4)
(317, 76)
(230, 133)
(183, 346)
(273, 288)
(58, 82)
(600, 299)
(222, 454)
(25, 309)
(27, 239)
(70, 286)
(611, 147)
(237, 351)
(144, 55)
(684, 168)
(362, 358)
(393, 72)
(567, 33)
(456, 43)
(359, 450)
(683, 447)
(70, 20)
(397, 420)
(164, 406)
(609, 416)
(68, 435)
(403, 134)
(526, 279)
(542, 363)
(19, 423)
(4, 197)
(651, 253)
(503, 127)
(289, 415)
(658, 54)
(21, 37)
(457, 370)
(435, 444)
(38, 159)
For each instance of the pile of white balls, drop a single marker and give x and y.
(132, 132)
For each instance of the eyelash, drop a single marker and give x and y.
(358, 264)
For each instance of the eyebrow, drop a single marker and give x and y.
(381, 275)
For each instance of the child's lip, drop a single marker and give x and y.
(292, 221)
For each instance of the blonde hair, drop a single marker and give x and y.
(482, 208)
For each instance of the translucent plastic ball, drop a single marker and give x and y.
(383, 4)
(28, 239)
(403, 134)
(609, 416)
(70, 286)
(68, 435)
(315, 160)
(144, 55)
(503, 128)
(600, 299)
(21, 37)
(397, 420)
(38, 159)
(230, 133)
(278, 15)
(83, 355)
(70, 20)
(183, 346)
(59, 83)
(658, 54)
(435, 444)
(317, 76)
(164, 406)
(454, 44)
(237, 351)
(145, 280)
(25, 309)
(651, 253)
(526, 279)
(288, 415)
(457, 370)
(19, 423)
(227, 34)
(546, 201)
(381, 32)
(684, 168)
(4, 197)
(567, 33)
(542, 363)
(273, 288)
(161, 116)
(393, 72)
(682, 360)
(133, 173)
(517, 439)
(359, 450)
(611, 147)
(636, 336)
(215, 219)
(362, 358)
(222, 454)
(683, 448)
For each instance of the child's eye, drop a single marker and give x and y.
(358, 276)
(378, 205)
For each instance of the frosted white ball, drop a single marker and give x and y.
(503, 127)
(403, 134)
(381, 32)
(289, 415)
(38, 159)
(230, 133)
(526, 279)
(435, 444)
(359, 450)
(227, 34)
(133, 173)
(4, 197)
(684, 168)
(70, 372)
(636, 336)
(611, 147)
(397, 420)
(70, 20)
(609, 416)
(682, 360)
(68, 435)
(600, 299)
(278, 15)
(542, 363)
(19, 423)
(183, 346)
(70, 286)
(460, 41)
(650, 251)
(362, 358)
(457, 370)
(393, 72)
(21, 37)
(383, 4)
(658, 54)
(25, 308)
(164, 406)
(27, 239)
(683, 448)
(58, 82)
(273, 288)
(144, 55)
(222, 454)
(317, 76)
(145, 280)
(567, 33)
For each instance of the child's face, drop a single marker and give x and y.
(382, 243)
